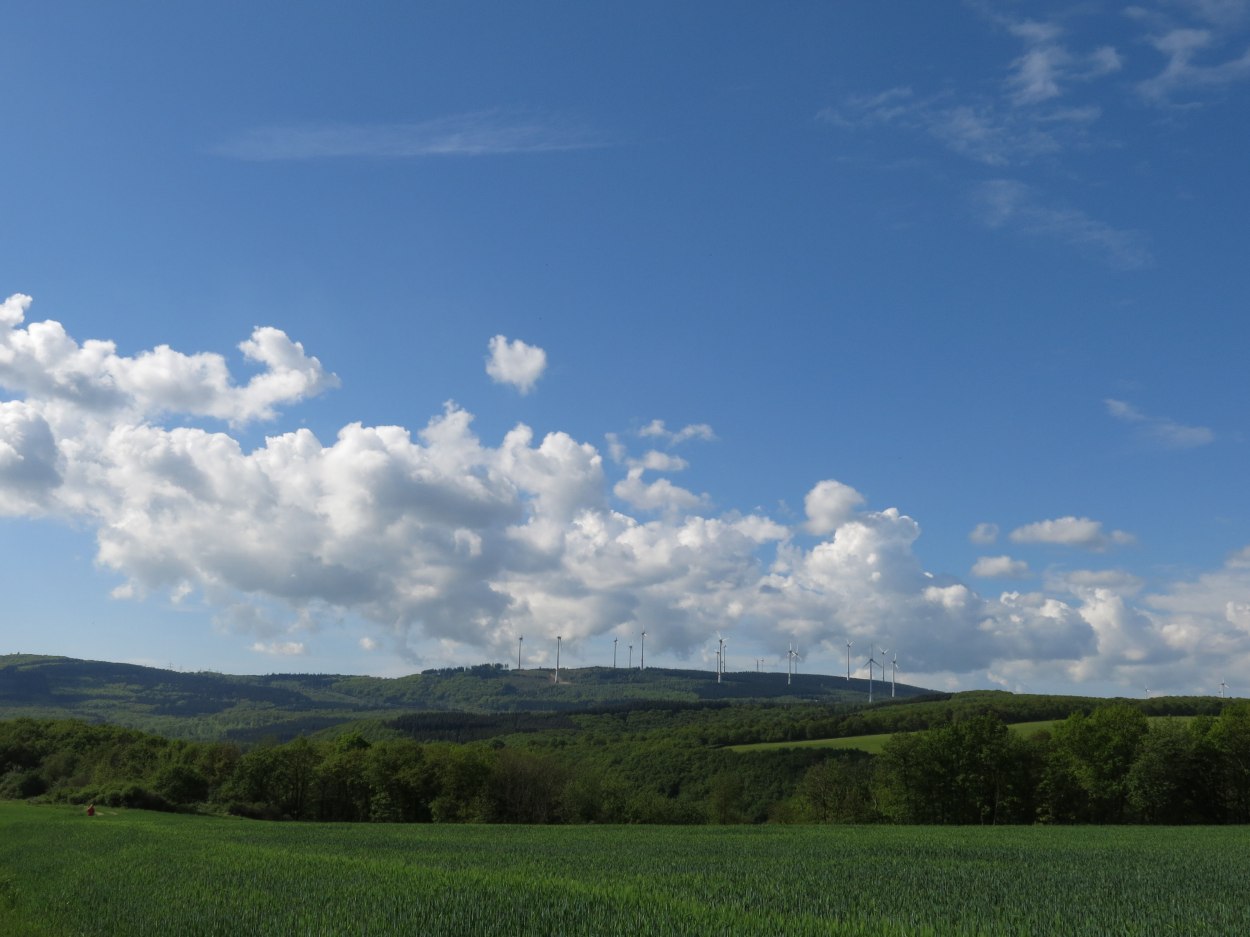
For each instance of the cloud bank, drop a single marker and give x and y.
(436, 535)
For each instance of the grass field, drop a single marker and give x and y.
(136, 874)
(873, 743)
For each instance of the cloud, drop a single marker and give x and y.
(515, 363)
(1029, 121)
(1165, 432)
(280, 648)
(43, 362)
(1071, 532)
(829, 505)
(29, 459)
(981, 130)
(480, 133)
(1012, 205)
(984, 533)
(436, 538)
(1000, 567)
(1047, 67)
(1181, 73)
(656, 429)
(659, 495)
(1082, 582)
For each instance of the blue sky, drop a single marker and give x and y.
(370, 339)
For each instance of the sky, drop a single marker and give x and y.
(392, 336)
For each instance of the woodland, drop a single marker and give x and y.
(949, 759)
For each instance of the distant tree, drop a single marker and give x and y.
(838, 790)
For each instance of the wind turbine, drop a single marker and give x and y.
(558, 638)
(893, 673)
(871, 662)
(519, 639)
(848, 661)
(642, 653)
(1223, 687)
(720, 657)
(614, 640)
(631, 657)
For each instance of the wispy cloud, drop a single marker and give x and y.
(1182, 72)
(1006, 203)
(657, 430)
(476, 134)
(982, 130)
(1023, 122)
(1047, 67)
(1161, 430)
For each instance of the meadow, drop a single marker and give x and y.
(136, 873)
(873, 744)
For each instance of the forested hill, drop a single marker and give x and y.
(206, 705)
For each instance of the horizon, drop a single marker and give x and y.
(920, 328)
(507, 668)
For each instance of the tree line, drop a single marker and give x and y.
(1110, 764)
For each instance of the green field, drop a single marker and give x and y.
(133, 873)
(873, 743)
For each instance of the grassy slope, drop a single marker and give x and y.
(137, 874)
(873, 743)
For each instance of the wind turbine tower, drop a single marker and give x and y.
(848, 661)
(642, 653)
(614, 640)
(558, 638)
(519, 639)
(893, 673)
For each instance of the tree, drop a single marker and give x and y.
(1087, 772)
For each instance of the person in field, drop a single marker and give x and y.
(91, 810)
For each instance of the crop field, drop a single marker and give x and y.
(135, 874)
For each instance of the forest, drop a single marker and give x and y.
(949, 760)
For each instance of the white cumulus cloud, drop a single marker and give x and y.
(515, 363)
(1071, 532)
(829, 505)
(435, 537)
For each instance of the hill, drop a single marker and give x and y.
(206, 705)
